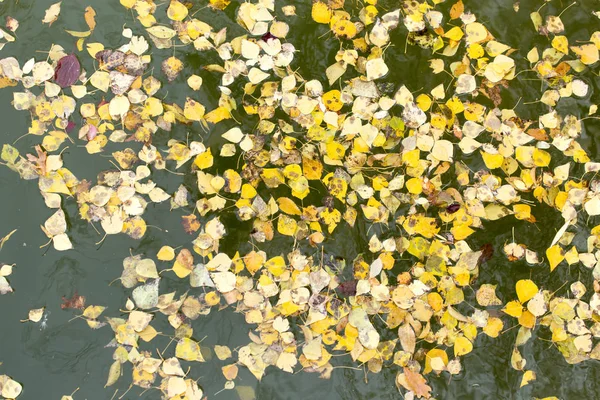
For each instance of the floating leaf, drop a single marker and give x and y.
(67, 71)
(555, 256)
(90, 17)
(171, 67)
(417, 383)
(52, 13)
(462, 346)
(526, 289)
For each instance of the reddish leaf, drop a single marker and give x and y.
(76, 302)
(67, 71)
(70, 126)
(267, 36)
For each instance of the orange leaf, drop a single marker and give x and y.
(417, 383)
(90, 17)
(457, 9)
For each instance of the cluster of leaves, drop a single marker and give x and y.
(383, 155)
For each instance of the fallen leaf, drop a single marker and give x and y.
(52, 13)
(67, 71)
(90, 17)
(417, 383)
(75, 302)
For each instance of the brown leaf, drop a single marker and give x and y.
(417, 383)
(190, 223)
(75, 302)
(90, 17)
(347, 288)
(492, 91)
(487, 251)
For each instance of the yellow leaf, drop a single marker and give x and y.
(217, 115)
(204, 160)
(188, 350)
(93, 311)
(526, 289)
(527, 319)
(588, 53)
(248, 192)
(414, 186)
(475, 51)
(571, 256)
(113, 374)
(513, 308)
(555, 256)
(461, 232)
(528, 376)
(177, 11)
(321, 13)
(561, 43)
(193, 110)
(492, 161)
(288, 206)
(462, 346)
(222, 352)
(219, 4)
(431, 356)
(300, 187)
(163, 32)
(286, 225)
(541, 158)
(476, 32)
(335, 150)
(171, 66)
(494, 327)
(424, 101)
(276, 265)
(522, 211)
(344, 28)
(454, 34)
(332, 100)
(254, 261)
(79, 34)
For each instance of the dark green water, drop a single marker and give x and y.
(66, 355)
